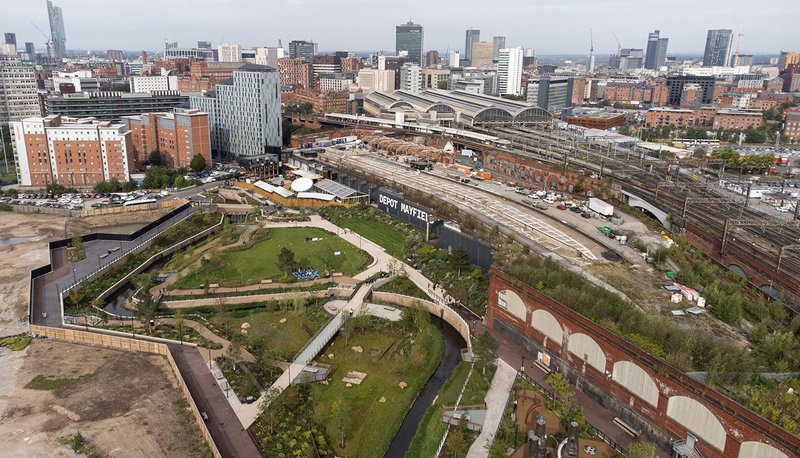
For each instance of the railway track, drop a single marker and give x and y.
(642, 175)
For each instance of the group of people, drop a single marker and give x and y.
(306, 274)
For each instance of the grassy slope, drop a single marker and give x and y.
(260, 261)
(374, 423)
(378, 232)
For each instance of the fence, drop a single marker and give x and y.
(458, 401)
(44, 210)
(126, 343)
(290, 201)
(133, 208)
(551, 396)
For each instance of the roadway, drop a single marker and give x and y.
(48, 287)
(230, 437)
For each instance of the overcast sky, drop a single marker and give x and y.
(548, 26)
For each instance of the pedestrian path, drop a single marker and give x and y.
(496, 400)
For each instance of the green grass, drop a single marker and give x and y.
(40, 382)
(285, 339)
(375, 423)
(431, 428)
(260, 260)
(478, 385)
(379, 232)
(403, 285)
(15, 343)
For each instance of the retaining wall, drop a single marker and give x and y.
(445, 313)
(126, 343)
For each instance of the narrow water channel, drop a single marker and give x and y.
(453, 342)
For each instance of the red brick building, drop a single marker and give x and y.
(351, 64)
(637, 93)
(295, 72)
(600, 120)
(71, 152)
(177, 136)
(323, 102)
(737, 119)
(203, 76)
(641, 390)
(659, 117)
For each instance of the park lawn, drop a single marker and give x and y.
(260, 261)
(285, 339)
(431, 428)
(403, 285)
(378, 232)
(374, 423)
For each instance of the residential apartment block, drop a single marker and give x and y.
(637, 93)
(18, 94)
(245, 112)
(178, 136)
(737, 119)
(295, 72)
(71, 152)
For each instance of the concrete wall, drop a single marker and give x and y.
(445, 313)
(125, 343)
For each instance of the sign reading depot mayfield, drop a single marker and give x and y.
(397, 206)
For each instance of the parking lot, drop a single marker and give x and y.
(82, 201)
(507, 214)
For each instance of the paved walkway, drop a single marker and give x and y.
(496, 400)
(596, 415)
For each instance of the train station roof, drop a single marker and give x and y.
(474, 107)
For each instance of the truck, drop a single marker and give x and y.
(481, 175)
(601, 207)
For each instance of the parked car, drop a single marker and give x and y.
(561, 207)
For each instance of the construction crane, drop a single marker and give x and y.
(619, 45)
(46, 37)
(739, 35)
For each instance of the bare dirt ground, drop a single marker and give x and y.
(23, 246)
(123, 404)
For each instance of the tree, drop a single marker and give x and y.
(566, 406)
(699, 153)
(78, 252)
(286, 261)
(198, 163)
(641, 450)
(348, 326)
(457, 442)
(180, 182)
(459, 259)
(179, 323)
(754, 136)
(155, 159)
(145, 306)
(341, 418)
(441, 84)
(485, 349)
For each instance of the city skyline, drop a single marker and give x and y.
(249, 23)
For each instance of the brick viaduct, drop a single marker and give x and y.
(642, 390)
(758, 271)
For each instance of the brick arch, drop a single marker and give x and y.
(759, 449)
(513, 303)
(587, 349)
(544, 322)
(636, 380)
(697, 418)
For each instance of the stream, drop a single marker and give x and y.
(453, 342)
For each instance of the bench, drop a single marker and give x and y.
(628, 429)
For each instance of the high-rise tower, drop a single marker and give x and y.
(57, 33)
